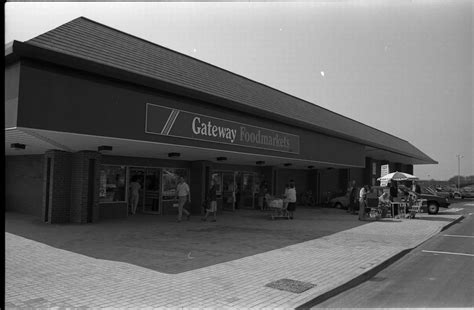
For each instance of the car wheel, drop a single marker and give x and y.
(338, 205)
(433, 208)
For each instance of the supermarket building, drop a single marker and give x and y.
(88, 109)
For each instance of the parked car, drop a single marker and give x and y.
(467, 192)
(445, 193)
(433, 203)
(434, 200)
(341, 202)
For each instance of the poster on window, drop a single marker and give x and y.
(103, 184)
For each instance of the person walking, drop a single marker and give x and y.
(363, 202)
(183, 196)
(291, 197)
(352, 198)
(212, 197)
(134, 195)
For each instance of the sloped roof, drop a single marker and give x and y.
(90, 41)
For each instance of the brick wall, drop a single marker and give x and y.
(66, 188)
(57, 190)
(23, 184)
(81, 204)
(197, 185)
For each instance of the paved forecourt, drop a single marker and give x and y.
(40, 276)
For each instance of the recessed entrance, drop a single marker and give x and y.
(236, 189)
(149, 193)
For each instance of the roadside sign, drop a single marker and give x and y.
(383, 171)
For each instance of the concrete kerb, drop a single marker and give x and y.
(370, 273)
(459, 219)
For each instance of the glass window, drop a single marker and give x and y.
(170, 181)
(256, 188)
(228, 182)
(112, 183)
(216, 177)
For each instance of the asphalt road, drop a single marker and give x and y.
(439, 273)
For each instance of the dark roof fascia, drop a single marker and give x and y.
(10, 56)
(21, 49)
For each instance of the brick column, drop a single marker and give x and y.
(197, 184)
(85, 187)
(56, 186)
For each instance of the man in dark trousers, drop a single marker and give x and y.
(363, 202)
(352, 198)
(394, 195)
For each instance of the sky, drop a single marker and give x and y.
(404, 67)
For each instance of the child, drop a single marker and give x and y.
(384, 203)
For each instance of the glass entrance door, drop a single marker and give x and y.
(245, 186)
(152, 187)
(248, 189)
(149, 193)
(228, 197)
(235, 189)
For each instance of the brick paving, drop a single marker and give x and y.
(41, 276)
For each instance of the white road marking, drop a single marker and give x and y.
(469, 204)
(460, 236)
(450, 253)
(451, 210)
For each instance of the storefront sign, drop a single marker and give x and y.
(172, 122)
(383, 171)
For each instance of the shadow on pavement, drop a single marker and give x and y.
(160, 243)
